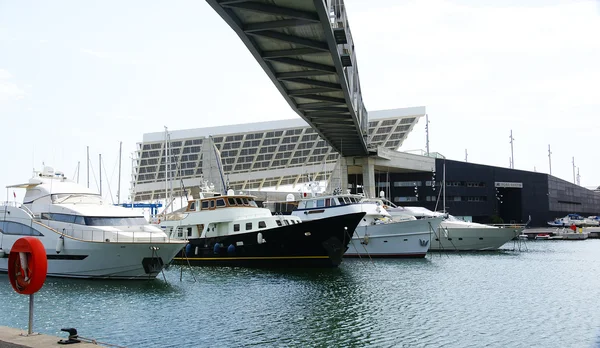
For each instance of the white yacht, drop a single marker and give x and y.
(377, 235)
(83, 236)
(575, 219)
(232, 230)
(455, 234)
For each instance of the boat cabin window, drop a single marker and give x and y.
(115, 221)
(286, 222)
(253, 203)
(212, 204)
(239, 201)
(204, 204)
(310, 204)
(245, 201)
(248, 226)
(262, 224)
(231, 201)
(193, 206)
(95, 220)
(320, 203)
(71, 219)
(220, 202)
(189, 231)
(9, 227)
(278, 222)
(236, 227)
(327, 202)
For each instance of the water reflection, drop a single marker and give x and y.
(544, 298)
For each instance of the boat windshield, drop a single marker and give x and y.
(59, 198)
(453, 218)
(115, 221)
(96, 220)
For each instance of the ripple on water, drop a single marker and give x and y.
(544, 297)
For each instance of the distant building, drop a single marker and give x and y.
(254, 155)
(287, 154)
(485, 193)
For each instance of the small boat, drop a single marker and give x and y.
(543, 236)
(83, 236)
(574, 219)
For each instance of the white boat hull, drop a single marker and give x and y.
(400, 239)
(83, 259)
(472, 239)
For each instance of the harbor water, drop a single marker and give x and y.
(543, 296)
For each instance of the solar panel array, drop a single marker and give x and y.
(253, 151)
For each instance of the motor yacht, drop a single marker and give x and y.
(454, 234)
(574, 219)
(377, 235)
(232, 230)
(83, 236)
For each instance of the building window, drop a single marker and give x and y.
(405, 199)
(407, 183)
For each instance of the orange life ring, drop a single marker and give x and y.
(27, 265)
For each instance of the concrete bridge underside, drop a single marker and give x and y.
(306, 49)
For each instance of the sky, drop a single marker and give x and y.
(78, 74)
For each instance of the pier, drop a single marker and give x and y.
(16, 338)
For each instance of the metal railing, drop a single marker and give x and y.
(84, 234)
(16, 205)
(338, 20)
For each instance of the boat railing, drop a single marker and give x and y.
(37, 227)
(509, 225)
(17, 205)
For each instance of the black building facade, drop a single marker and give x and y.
(487, 194)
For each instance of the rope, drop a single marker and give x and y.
(94, 341)
(366, 251)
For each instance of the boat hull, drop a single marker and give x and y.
(104, 260)
(315, 243)
(407, 239)
(472, 239)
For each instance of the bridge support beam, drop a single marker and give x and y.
(368, 169)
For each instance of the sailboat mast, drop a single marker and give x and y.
(119, 183)
(100, 170)
(78, 164)
(166, 170)
(88, 167)
(444, 188)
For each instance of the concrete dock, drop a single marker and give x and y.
(593, 232)
(16, 338)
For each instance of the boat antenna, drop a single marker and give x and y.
(444, 182)
(219, 164)
(166, 172)
(100, 171)
(88, 167)
(119, 182)
(78, 163)
(512, 155)
(427, 133)
(549, 159)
